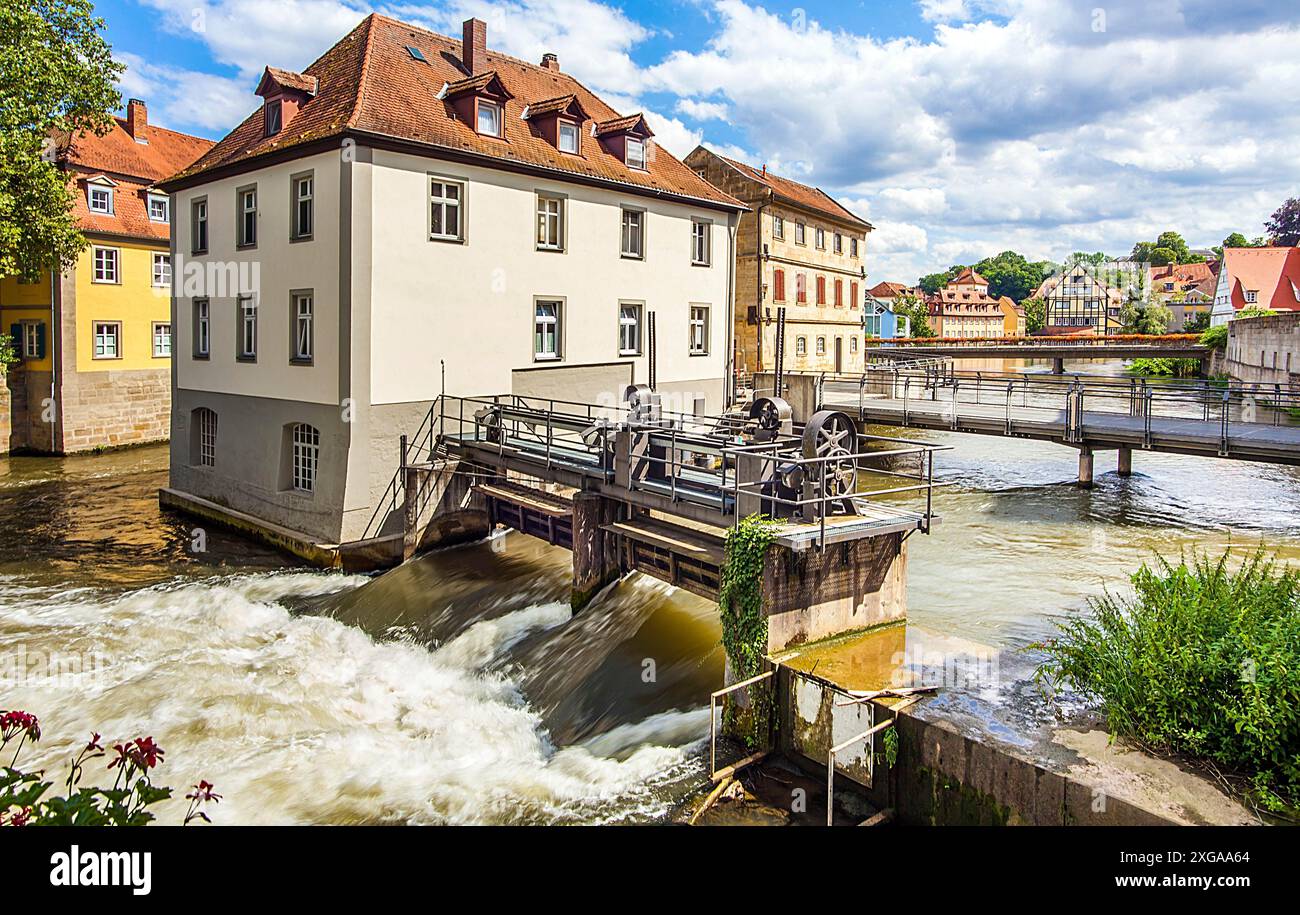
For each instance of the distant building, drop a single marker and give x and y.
(798, 248)
(1185, 289)
(882, 319)
(1256, 278)
(95, 342)
(1082, 298)
(965, 309)
(1013, 317)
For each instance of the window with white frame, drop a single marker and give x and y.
(801, 346)
(489, 118)
(246, 309)
(199, 226)
(800, 233)
(700, 237)
(821, 237)
(699, 344)
(629, 329)
(853, 247)
(1252, 296)
(306, 456)
(101, 199)
(274, 117)
(546, 329)
(159, 208)
(247, 198)
(108, 340)
(33, 342)
(304, 188)
(162, 269)
(550, 223)
(633, 233)
(821, 346)
(303, 317)
(202, 329)
(106, 263)
(162, 339)
(206, 420)
(778, 227)
(568, 137)
(445, 201)
(839, 243)
(853, 344)
(635, 153)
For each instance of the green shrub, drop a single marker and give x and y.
(1202, 660)
(1215, 337)
(1174, 368)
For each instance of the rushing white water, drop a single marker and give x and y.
(304, 719)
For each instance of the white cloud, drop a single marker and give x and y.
(702, 111)
(199, 101)
(944, 10)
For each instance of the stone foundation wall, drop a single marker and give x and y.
(110, 409)
(28, 393)
(5, 414)
(1265, 350)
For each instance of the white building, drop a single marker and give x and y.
(409, 203)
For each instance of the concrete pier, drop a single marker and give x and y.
(1125, 462)
(595, 550)
(1085, 467)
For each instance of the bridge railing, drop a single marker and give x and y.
(1155, 341)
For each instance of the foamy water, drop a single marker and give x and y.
(304, 719)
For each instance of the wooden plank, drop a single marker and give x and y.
(677, 540)
(523, 496)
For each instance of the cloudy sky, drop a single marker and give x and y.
(960, 128)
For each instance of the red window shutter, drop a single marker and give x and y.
(800, 288)
(853, 294)
(839, 293)
(778, 283)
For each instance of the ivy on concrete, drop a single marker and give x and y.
(744, 624)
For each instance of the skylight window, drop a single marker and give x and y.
(416, 53)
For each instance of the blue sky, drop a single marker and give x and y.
(960, 128)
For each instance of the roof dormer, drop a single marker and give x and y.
(479, 101)
(285, 93)
(560, 121)
(101, 194)
(628, 138)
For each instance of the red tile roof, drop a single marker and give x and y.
(133, 166)
(1274, 273)
(289, 80)
(888, 290)
(812, 198)
(371, 86)
(968, 276)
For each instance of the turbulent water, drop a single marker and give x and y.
(460, 689)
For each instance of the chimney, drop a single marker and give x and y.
(137, 116)
(473, 52)
(551, 62)
(764, 169)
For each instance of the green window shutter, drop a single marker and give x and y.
(16, 331)
(40, 340)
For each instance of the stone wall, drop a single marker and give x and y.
(111, 409)
(29, 392)
(1264, 350)
(5, 414)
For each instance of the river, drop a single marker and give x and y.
(458, 689)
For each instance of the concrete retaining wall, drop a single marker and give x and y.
(1265, 350)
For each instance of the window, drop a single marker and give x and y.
(199, 226)
(162, 269)
(568, 137)
(273, 117)
(489, 118)
(839, 293)
(853, 247)
(101, 199)
(778, 227)
(303, 188)
(839, 243)
(635, 157)
(853, 344)
(778, 285)
(106, 265)
(306, 456)
(700, 248)
(546, 330)
(821, 290)
(629, 329)
(30, 338)
(162, 340)
(699, 345)
(633, 233)
(246, 235)
(853, 294)
(202, 329)
(445, 200)
(821, 238)
(550, 223)
(159, 208)
(205, 421)
(801, 289)
(303, 331)
(1252, 296)
(800, 233)
(801, 346)
(821, 346)
(108, 340)
(246, 307)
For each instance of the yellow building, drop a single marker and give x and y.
(94, 343)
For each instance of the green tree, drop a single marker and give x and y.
(1140, 316)
(1284, 225)
(1198, 322)
(918, 315)
(1161, 256)
(57, 80)
(1035, 314)
(1011, 274)
(933, 282)
(1235, 240)
(1175, 243)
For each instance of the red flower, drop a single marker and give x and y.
(94, 746)
(14, 723)
(21, 818)
(142, 754)
(203, 792)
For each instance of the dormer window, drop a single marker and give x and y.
(273, 117)
(489, 118)
(159, 208)
(568, 134)
(635, 153)
(627, 138)
(101, 199)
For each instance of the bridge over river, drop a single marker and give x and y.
(1057, 349)
(1248, 422)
